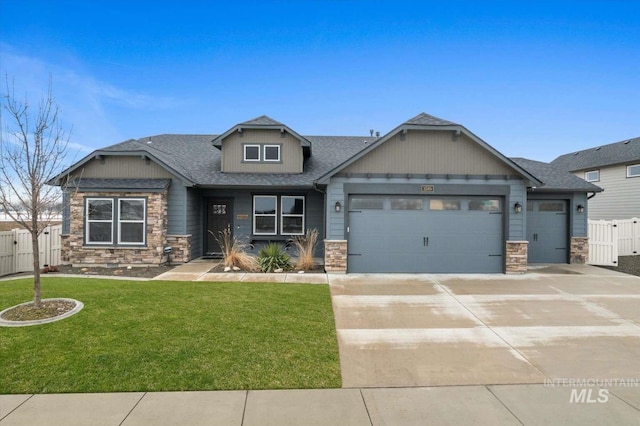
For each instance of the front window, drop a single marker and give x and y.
(633, 171)
(292, 215)
(592, 176)
(272, 213)
(264, 214)
(131, 221)
(99, 221)
(120, 220)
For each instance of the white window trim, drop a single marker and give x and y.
(629, 175)
(88, 221)
(274, 215)
(244, 151)
(264, 153)
(283, 215)
(592, 171)
(143, 221)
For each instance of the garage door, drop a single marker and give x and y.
(425, 234)
(547, 231)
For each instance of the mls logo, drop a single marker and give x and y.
(588, 396)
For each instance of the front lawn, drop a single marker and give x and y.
(162, 336)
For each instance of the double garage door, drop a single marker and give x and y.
(432, 234)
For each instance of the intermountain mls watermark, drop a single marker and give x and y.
(590, 391)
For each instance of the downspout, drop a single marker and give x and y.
(592, 195)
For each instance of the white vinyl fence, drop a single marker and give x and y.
(609, 239)
(16, 250)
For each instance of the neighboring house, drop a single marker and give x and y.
(429, 196)
(616, 169)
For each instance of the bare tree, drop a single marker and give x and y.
(33, 147)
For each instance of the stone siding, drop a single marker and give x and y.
(335, 256)
(517, 252)
(181, 248)
(75, 252)
(579, 250)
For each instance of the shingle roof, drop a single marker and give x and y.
(627, 151)
(194, 158)
(130, 184)
(424, 119)
(554, 178)
(263, 120)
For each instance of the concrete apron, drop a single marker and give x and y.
(433, 330)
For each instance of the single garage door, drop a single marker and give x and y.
(425, 234)
(547, 231)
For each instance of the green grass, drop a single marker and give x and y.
(162, 336)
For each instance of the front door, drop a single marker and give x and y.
(218, 220)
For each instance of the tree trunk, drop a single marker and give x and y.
(36, 268)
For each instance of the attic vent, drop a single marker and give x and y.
(627, 142)
(598, 148)
(576, 153)
(149, 141)
(366, 142)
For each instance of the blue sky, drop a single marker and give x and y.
(534, 79)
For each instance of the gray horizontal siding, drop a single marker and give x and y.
(176, 209)
(620, 198)
(194, 221)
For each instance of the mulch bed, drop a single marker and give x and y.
(47, 309)
(136, 272)
(319, 269)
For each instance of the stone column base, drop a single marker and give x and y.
(516, 261)
(181, 248)
(579, 250)
(335, 256)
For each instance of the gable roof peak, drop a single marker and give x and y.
(263, 120)
(425, 119)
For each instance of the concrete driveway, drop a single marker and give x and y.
(577, 322)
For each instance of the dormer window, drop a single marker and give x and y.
(272, 153)
(262, 153)
(252, 153)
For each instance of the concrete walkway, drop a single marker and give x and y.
(453, 405)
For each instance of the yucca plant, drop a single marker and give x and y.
(306, 245)
(234, 252)
(272, 257)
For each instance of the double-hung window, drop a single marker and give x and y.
(111, 221)
(272, 213)
(99, 227)
(265, 214)
(292, 215)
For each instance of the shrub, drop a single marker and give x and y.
(272, 257)
(233, 252)
(306, 245)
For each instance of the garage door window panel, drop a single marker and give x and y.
(551, 206)
(367, 203)
(485, 205)
(444, 204)
(406, 204)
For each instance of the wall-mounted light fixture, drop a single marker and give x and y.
(338, 206)
(517, 207)
(580, 208)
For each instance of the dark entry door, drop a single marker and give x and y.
(547, 231)
(218, 220)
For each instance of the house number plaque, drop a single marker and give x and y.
(426, 188)
(242, 216)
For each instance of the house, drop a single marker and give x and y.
(429, 196)
(616, 169)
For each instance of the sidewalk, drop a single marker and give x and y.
(490, 405)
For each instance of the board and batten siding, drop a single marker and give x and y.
(116, 167)
(433, 152)
(514, 191)
(195, 222)
(233, 153)
(620, 198)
